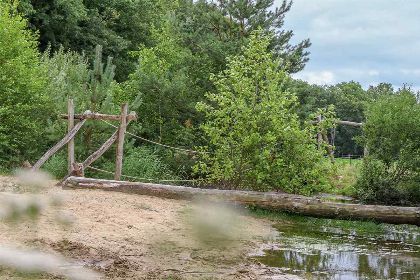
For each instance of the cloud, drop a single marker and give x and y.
(367, 41)
(319, 78)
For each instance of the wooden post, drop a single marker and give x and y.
(120, 143)
(329, 148)
(70, 147)
(365, 151)
(319, 136)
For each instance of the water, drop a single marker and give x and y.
(321, 251)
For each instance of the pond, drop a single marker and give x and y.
(328, 249)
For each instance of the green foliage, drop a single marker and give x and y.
(159, 88)
(349, 100)
(345, 175)
(118, 25)
(219, 29)
(92, 88)
(391, 173)
(143, 162)
(57, 165)
(255, 138)
(22, 103)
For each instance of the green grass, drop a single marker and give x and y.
(345, 176)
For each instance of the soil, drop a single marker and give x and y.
(126, 236)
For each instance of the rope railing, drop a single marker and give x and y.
(145, 179)
(155, 143)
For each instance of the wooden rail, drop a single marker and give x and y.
(98, 116)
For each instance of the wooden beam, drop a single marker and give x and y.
(120, 143)
(70, 125)
(99, 152)
(98, 116)
(310, 206)
(342, 122)
(349, 123)
(58, 146)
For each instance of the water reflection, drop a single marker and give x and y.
(322, 253)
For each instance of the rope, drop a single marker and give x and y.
(145, 179)
(153, 142)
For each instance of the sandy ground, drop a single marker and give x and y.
(126, 236)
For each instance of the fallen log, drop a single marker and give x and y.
(308, 206)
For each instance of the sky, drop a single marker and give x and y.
(368, 41)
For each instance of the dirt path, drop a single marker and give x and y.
(126, 236)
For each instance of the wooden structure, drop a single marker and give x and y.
(310, 206)
(322, 137)
(278, 201)
(77, 169)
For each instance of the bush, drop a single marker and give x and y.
(256, 139)
(22, 82)
(143, 162)
(391, 172)
(57, 165)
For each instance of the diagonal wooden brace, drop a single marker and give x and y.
(70, 135)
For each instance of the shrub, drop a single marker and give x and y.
(391, 172)
(143, 162)
(256, 139)
(22, 102)
(57, 165)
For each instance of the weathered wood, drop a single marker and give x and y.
(277, 201)
(319, 136)
(70, 125)
(98, 116)
(319, 118)
(329, 148)
(78, 170)
(99, 152)
(349, 123)
(58, 146)
(365, 151)
(120, 141)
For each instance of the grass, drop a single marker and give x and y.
(345, 176)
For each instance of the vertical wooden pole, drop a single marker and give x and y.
(70, 147)
(365, 151)
(120, 141)
(329, 148)
(319, 136)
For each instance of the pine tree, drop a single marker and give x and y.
(256, 140)
(232, 22)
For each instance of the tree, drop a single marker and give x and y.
(391, 172)
(349, 100)
(70, 75)
(23, 105)
(118, 25)
(220, 28)
(255, 138)
(162, 84)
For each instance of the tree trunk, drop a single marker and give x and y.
(285, 202)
